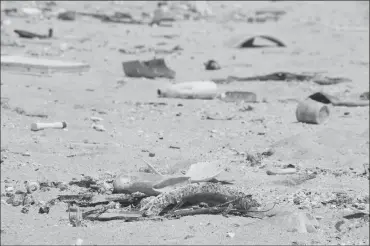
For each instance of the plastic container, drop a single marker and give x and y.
(190, 90)
(313, 112)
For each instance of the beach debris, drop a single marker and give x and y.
(155, 68)
(200, 7)
(20, 111)
(20, 198)
(31, 35)
(310, 111)
(325, 98)
(41, 126)
(218, 116)
(259, 16)
(96, 119)
(161, 14)
(99, 128)
(212, 65)
(283, 171)
(147, 183)
(238, 96)
(190, 90)
(74, 215)
(366, 169)
(194, 192)
(31, 186)
(170, 196)
(259, 41)
(136, 182)
(287, 77)
(175, 49)
(24, 64)
(152, 168)
(296, 221)
(78, 242)
(204, 171)
(67, 16)
(365, 96)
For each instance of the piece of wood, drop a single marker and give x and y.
(152, 168)
(115, 214)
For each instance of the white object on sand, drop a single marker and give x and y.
(200, 7)
(281, 171)
(190, 90)
(31, 11)
(31, 64)
(79, 241)
(204, 171)
(162, 12)
(41, 126)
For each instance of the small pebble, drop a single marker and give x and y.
(25, 209)
(99, 128)
(9, 189)
(44, 210)
(151, 154)
(95, 119)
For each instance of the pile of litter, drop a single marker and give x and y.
(143, 196)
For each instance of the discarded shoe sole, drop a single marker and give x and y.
(151, 69)
(252, 42)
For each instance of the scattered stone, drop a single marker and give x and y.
(96, 119)
(44, 210)
(99, 128)
(25, 209)
(67, 16)
(212, 65)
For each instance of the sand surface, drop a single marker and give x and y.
(327, 37)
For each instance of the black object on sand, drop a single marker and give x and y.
(250, 42)
(31, 35)
(151, 69)
(212, 65)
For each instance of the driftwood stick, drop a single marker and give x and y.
(114, 214)
(90, 200)
(152, 168)
(188, 212)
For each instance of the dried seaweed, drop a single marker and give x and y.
(162, 201)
